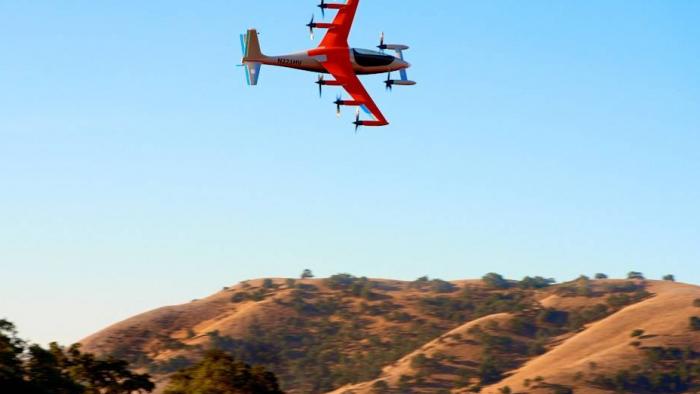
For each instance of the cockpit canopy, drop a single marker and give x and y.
(367, 58)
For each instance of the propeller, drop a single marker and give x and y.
(338, 102)
(389, 83)
(319, 82)
(381, 43)
(322, 6)
(311, 26)
(357, 121)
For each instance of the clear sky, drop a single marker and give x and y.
(137, 170)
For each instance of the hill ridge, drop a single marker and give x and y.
(345, 334)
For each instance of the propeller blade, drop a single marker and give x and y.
(381, 42)
(389, 84)
(311, 27)
(357, 120)
(320, 85)
(322, 6)
(337, 104)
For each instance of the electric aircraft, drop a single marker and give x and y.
(333, 56)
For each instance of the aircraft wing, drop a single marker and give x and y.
(341, 69)
(337, 36)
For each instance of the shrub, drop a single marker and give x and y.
(626, 287)
(291, 283)
(490, 370)
(419, 282)
(419, 361)
(601, 276)
(562, 390)
(399, 316)
(340, 281)
(536, 282)
(441, 286)
(618, 300)
(581, 317)
(553, 316)
(240, 297)
(307, 274)
(522, 326)
(505, 390)
(380, 386)
(695, 323)
(635, 275)
(362, 288)
(258, 295)
(637, 333)
(267, 283)
(669, 278)
(495, 280)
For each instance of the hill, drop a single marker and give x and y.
(346, 334)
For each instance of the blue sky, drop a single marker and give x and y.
(137, 169)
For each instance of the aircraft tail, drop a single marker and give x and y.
(252, 56)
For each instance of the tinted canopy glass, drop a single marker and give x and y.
(367, 58)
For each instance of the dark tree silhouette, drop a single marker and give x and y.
(32, 369)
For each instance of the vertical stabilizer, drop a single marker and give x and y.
(252, 56)
(251, 46)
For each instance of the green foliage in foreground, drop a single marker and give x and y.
(32, 369)
(219, 373)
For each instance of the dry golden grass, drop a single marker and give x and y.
(606, 343)
(568, 361)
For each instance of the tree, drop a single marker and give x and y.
(46, 372)
(219, 373)
(268, 283)
(601, 276)
(57, 370)
(635, 275)
(669, 278)
(11, 348)
(99, 375)
(495, 280)
(307, 274)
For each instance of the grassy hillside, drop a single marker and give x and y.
(364, 335)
